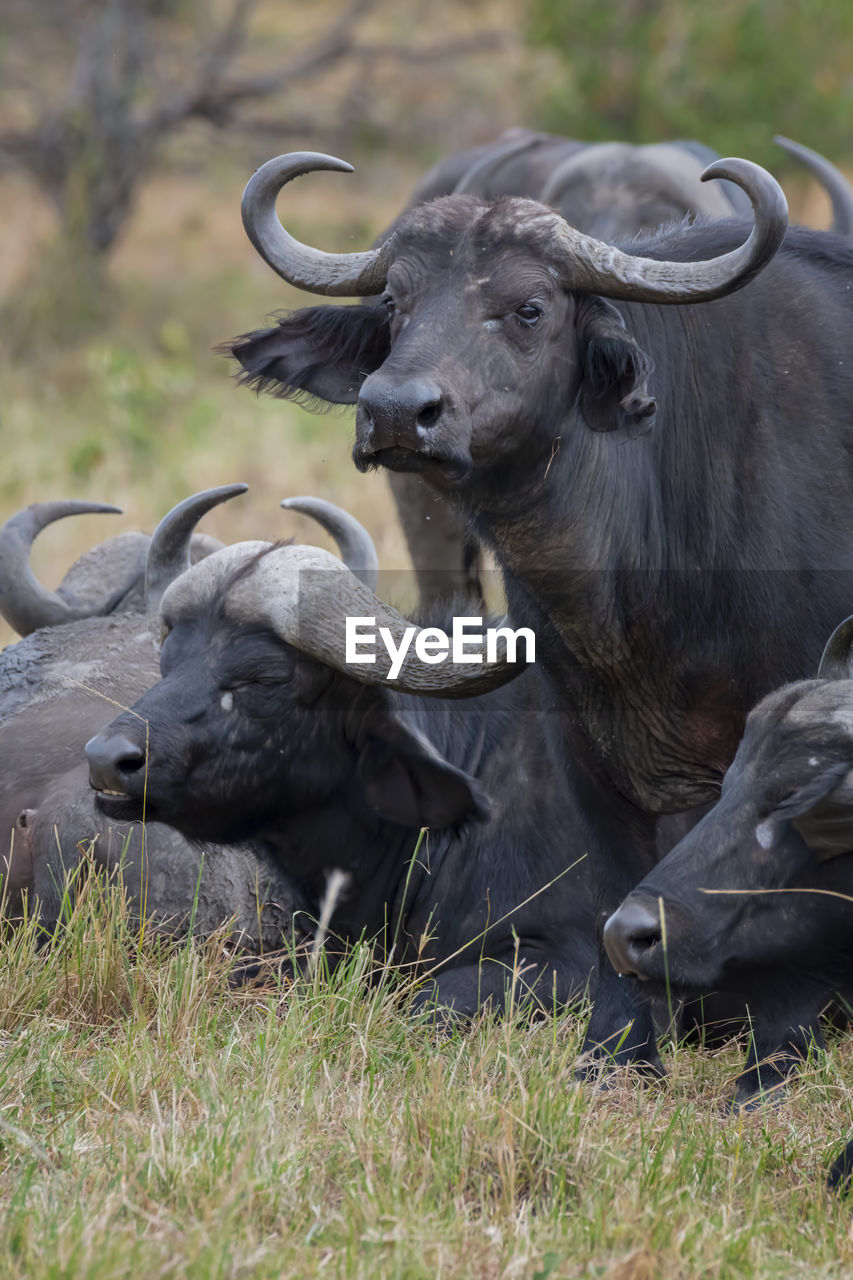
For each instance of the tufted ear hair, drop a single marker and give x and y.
(317, 356)
(613, 391)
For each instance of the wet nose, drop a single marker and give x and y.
(401, 414)
(112, 761)
(631, 935)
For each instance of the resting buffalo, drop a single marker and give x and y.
(637, 464)
(260, 731)
(758, 898)
(108, 579)
(55, 689)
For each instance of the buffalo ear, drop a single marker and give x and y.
(613, 391)
(319, 355)
(822, 813)
(404, 779)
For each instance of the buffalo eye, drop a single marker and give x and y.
(389, 305)
(528, 313)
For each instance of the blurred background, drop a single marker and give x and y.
(129, 127)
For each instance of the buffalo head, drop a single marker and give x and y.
(494, 323)
(258, 718)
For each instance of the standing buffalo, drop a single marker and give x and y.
(56, 687)
(609, 190)
(638, 465)
(261, 731)
(613, 191)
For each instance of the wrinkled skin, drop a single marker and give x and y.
(251, 741)
(634, 468)
(750, 897)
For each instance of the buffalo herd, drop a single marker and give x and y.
(621, 373)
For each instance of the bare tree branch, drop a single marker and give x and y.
(90, 150)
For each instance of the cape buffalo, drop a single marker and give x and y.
(56, 686)
(606, 189)
(758, 898)
(613, 191)
(637, 464)
(261, 731)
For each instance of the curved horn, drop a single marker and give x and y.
(354, 542)
(307, 605)
(169, 549)
(831, 179)
(835, 659)
(474, 179)
(597, 267)
(24, 603)
(564, 171)
(304, 595)
(344, 275)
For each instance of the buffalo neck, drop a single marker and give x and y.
(659, 570)
(342, 835)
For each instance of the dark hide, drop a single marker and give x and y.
(329, 774)
(757, 899)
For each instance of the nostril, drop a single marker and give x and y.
(429, 414)
(631, 935)
(644, 940)
(130, 762)
(112, 760)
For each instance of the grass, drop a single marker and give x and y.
(156, 1121)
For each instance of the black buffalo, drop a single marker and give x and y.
(259, 732)
(662, 484)
(613, 191)
(89, 648)
(609, 190)
(758, 898)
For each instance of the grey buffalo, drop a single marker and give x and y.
(56, 686)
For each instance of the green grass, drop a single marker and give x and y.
(156, 1121)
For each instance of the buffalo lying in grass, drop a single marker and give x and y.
(758, 898)
(260, 731)
(89, 649)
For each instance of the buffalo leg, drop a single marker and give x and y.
(444, 554)
(775, 1052)
(621, 1031)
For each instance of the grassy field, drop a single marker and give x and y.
(156, 1122)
